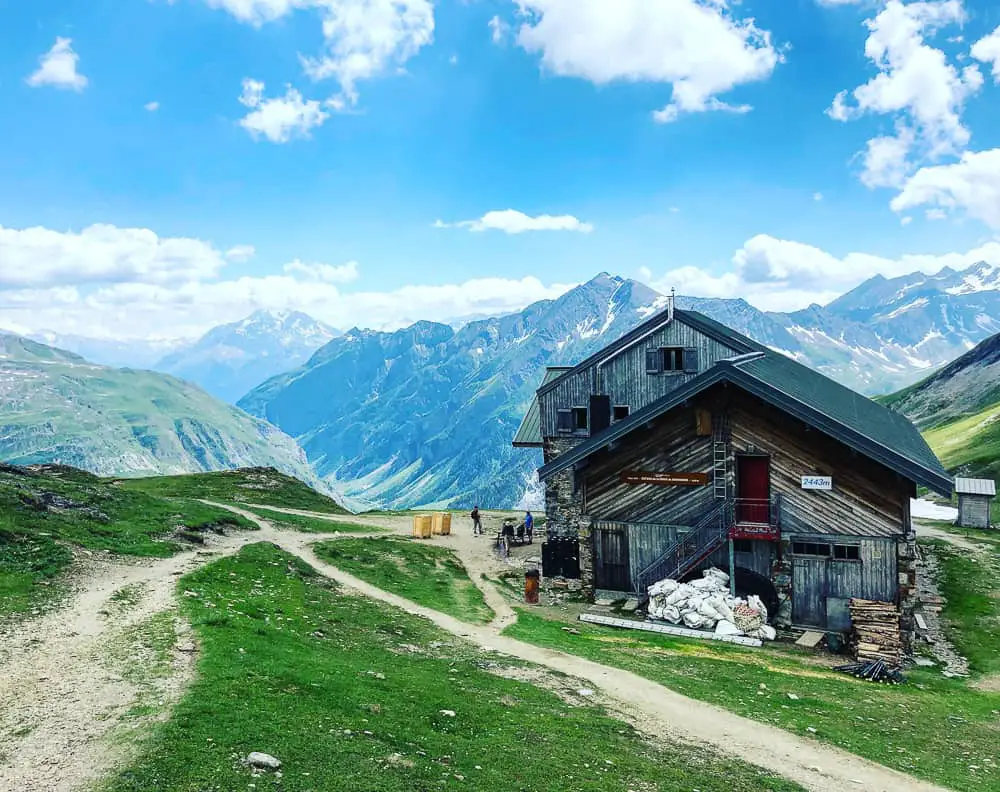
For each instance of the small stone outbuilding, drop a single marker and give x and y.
(975, 497)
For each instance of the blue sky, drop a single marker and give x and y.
(751, 180)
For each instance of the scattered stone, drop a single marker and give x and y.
(604, 603)
(631, 605)
(585, 692)
(263, 761)
(448, 713)
(560, 584)
(924, 662)
(574, 585)
(793, 697)
(810, 729)
(571, 630)
(187, 647)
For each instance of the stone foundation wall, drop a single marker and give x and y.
(906, 560)
(564, 511)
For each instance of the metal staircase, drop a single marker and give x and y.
(689, 550)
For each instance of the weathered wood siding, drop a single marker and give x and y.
(670, 446)
(822, 587)
(974, 511)
(646, 544)
(867, 499)
(624, 376)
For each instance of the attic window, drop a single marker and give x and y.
(621, 412)
(671, 359)
(580, 423)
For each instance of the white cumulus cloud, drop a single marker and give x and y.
(362, 39)
(971, 185)
(40, 257)
(58, 68)
(781, 275)
(700, 47)
(915, 84)
(152, 107)
(325, 273)
(240, 253)
(511, 221)
(987, 50)
(279, 119)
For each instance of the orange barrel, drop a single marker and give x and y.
(531, 586)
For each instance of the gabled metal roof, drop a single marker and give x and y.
(855, 420)
(529, 433)
(971, 486)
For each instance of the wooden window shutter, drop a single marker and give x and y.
(654, 361)
(691, 359)
(564, 421)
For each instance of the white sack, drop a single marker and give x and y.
(725, 627)
(718, 574)
(694, 620)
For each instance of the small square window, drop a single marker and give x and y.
(673, 358)
(847, 552)
(621, 412)
(564, 420)
(580, 423)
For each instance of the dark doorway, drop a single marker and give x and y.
(612, 572)
(753, 489)
(600, 413)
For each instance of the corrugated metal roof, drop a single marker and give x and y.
(971, 486)
(529, 433)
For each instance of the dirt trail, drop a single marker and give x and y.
(471, 550)
(58, 702)
(930, 532)
(58, 698)
(654, 708)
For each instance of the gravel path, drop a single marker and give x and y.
(652, 707)
(58, 702)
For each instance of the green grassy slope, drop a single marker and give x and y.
(57, 407)
(958, 408)
(44, 513)
(352, 696)
(428, 575)
(262, 486)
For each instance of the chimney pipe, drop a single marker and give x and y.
(670, 305)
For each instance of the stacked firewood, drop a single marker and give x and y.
(876, 632)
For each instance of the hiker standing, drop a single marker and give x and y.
(477, 524)
(529, 525)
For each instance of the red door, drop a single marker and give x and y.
(753, 489)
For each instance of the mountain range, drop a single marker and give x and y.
(56, 407)
(231, 359)
(958, 409)
(424, 415)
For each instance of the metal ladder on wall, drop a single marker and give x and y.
(720, 456)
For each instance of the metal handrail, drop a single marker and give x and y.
(679, 557)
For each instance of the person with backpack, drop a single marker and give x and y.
(477, 524)
(529, 525)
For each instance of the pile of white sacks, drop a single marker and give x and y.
(706, 604)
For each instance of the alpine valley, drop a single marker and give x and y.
(425, 415)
